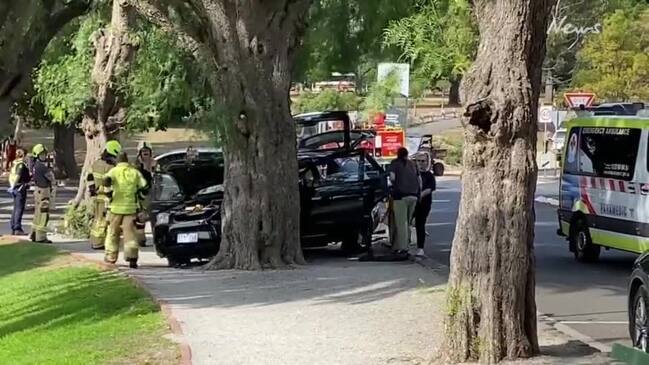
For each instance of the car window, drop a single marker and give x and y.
(608, 152)
(341, 169)
(165, 188)
(571, 164)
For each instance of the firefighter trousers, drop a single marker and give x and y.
(99, 222)
(41, 214)
(121, 224)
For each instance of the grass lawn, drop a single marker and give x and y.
(55, 309)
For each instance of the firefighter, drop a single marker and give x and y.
(124, 182)
(97, 190)
(146, 164)
(43, 178)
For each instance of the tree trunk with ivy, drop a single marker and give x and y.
(248, 48)
(491, 309)
(26, 28)
(106, 115)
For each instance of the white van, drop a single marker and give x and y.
(604, 190)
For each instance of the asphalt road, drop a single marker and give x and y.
(435, 127)
(588, 298)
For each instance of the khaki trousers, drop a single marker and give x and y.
(99, 221)
(41, 213)
(404, 210)
(117, 225)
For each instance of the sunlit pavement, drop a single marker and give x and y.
(588, 298)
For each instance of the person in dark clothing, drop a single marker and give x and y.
(406, 185)
(428, 185)
(18, 186)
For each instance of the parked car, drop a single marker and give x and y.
(341, 192)
(639, 304)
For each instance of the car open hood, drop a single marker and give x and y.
(191, 178)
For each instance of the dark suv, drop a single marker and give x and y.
(341, 192)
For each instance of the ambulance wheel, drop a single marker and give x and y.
(584, 248)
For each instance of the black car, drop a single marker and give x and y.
(341, 192)
(639, 303)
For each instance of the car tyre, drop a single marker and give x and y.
(639, 323)
(177, 262)
(584, 248)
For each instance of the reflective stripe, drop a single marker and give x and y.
(13, 176)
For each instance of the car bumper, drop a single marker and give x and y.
(167, 245)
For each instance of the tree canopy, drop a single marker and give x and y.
(439, 39)
(165, 85)
(345, 36)
(615, 64)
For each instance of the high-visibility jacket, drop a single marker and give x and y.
(14, 176)
(95, 179)
(125, 183)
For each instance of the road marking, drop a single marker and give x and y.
(440, 224)
(595, 322)
(441, 201)
(570, 332)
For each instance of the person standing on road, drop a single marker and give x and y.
(406, 186)
(97, 190)
(18, 185)
(428, 185)
(125, 183)
(43, 182)
(145, 164)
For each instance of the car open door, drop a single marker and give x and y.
(337, 123)
(336, 202)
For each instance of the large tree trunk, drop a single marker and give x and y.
(454, 92)
(65, 165)
(26, 28)
(260, 215)
(249, 47)
(103, 120)
(491, 309)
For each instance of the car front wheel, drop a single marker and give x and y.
(640, 320)
(584, 248)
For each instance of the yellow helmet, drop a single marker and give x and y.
(113, 148)
(38, 149)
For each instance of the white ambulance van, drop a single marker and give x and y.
(604, 188)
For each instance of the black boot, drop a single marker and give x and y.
(132, 263)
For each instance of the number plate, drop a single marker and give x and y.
(188, 237)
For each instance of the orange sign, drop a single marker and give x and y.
(390, 142)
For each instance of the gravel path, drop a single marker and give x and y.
(333, 311)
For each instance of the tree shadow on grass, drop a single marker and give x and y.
(97, 296)
(24, 256)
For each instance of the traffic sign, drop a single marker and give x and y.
(576, 100)
(545, 114)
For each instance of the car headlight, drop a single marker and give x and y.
(162, 218)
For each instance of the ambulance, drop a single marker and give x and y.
(604, 186)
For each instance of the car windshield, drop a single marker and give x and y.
(166, 188)
(306, 130)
